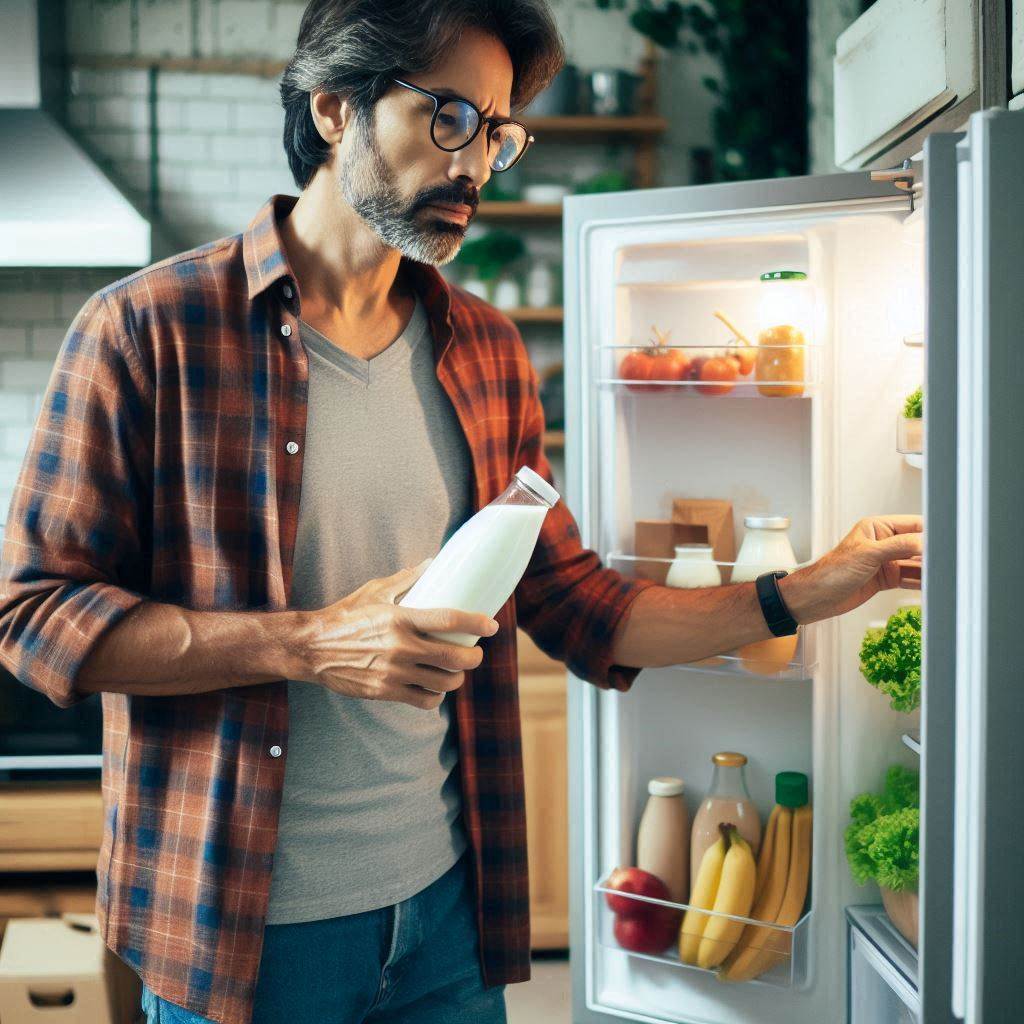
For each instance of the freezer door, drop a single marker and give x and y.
(988, 912)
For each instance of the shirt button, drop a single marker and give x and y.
(286, 330)
(287, 291)
(291, 447)
(275, 751)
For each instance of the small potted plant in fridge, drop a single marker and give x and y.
(890, 659)
(910, 440)
(882, 845)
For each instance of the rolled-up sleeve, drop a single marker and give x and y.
(568, 602)
(74, 557)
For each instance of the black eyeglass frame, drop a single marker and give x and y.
(440, 99)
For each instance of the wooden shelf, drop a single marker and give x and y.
(519, 211)
(592, 125)
(554, 438)
(50, 827)
(535, 314)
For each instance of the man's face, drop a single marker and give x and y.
(393, 175)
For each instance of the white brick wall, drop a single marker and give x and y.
(36, 308)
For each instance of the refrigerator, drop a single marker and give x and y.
(909, 286)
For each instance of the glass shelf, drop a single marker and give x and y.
(780, 659)
(742, 386)
(781, 950)
(914, 340)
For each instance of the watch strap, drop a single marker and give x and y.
(778, 617)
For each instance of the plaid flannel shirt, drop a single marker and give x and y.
(162, 467)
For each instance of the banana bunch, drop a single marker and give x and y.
(726, 883)
(783, 873)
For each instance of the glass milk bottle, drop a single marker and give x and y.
(694, 567)
(765, 548)
(484, 560)
(728, 801)
(663, 841)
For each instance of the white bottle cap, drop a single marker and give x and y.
(665, 785)
(766, 522)
(538, 485)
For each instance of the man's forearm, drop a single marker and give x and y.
(669, 626)
(161, 650)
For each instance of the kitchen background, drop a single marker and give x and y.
(154, 95)
(176, 101)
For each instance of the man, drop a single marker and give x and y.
(314, 810)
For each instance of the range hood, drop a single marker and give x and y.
(57, 208)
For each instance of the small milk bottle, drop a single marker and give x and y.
(484, 560)
(663, 841)
(765, 548)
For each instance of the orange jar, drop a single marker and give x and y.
(784, 315)
(780, 356)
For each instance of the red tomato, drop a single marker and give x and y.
(719, 369)
(746, 357)
(654, 363)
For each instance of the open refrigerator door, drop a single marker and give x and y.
(811, 438)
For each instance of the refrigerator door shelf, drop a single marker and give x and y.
(883, 970)
(781, 950)
(799, 669)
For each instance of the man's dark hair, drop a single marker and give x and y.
(355, 47)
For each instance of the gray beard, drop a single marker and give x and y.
(369, 187)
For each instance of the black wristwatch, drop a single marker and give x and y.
(774, 609)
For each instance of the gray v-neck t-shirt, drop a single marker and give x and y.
(371, 810)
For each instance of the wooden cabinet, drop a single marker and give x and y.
(542, 699)
(50, 826)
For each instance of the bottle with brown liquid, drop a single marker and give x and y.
(728, 801)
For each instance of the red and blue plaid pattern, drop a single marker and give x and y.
(158, 470)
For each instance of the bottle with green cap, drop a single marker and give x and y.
(784, 314)
(791, 789)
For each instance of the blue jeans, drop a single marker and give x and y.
(417, 962)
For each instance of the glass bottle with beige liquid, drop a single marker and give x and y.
(765, 548)
(663, 841)
(728, 801)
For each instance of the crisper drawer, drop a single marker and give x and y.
(897, 66)
(883, 970)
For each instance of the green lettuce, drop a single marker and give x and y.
(883, 838)
(913, 407)
(890, 659)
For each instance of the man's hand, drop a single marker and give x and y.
(366, 646)
(877, 554)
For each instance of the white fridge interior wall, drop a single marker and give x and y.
(826, 461)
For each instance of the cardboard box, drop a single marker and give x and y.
(713, 517)
(657, 538)
(58, 971)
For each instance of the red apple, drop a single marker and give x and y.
(648, 934)
(642, 883)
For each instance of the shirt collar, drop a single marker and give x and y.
(266, 263)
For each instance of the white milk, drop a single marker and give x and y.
(480, 566)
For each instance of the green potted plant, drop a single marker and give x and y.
(487, 257)
(890, 659)
(911, 425)
(882, 845)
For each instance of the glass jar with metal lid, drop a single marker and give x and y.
(766, 548)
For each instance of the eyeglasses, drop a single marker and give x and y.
(456, 122)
